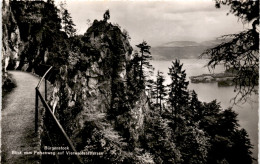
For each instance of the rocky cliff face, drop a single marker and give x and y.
(89, 72)
(19, 28)
(10, 39)
(88, 93)
(10, 47)
(35, 27)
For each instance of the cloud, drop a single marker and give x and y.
(159, 22)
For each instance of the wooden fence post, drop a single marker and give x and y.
(45, 89)
(36, 110)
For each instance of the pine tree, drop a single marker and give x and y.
(178, 95)
(195, 108)
(144, 59)
(158, 139)
(228, 143)
(106, 15)
(135, 64)
(159, 90)
(149, 87)
(241, 150)
(68, 23)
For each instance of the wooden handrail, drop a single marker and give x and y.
(58, 124)
(53, 117)
(43, 77)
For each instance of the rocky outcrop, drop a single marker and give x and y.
(10, 39)
(22, 34)
(94, 83)
(40, 36)
(90, 75)
(28, 16)
(10, 47)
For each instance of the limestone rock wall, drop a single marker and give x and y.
(10, 39)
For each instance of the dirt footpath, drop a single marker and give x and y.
(17, 135)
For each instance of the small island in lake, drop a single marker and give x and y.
(223, 79)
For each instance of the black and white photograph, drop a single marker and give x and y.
(129, 82)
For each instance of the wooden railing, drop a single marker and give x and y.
(39, 94)
(53, 118)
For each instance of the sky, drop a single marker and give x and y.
(159, 22)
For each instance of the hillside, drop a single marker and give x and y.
(181, 44)
(171, 53)
(182, 49)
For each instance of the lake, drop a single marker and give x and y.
(247, 112)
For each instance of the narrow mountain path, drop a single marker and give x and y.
(18, 134)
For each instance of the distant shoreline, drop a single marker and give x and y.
(223, 79)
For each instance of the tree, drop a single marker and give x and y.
(240, 152)
(228, 143)
(195, 108)
(159, 90)
(192, 142)
(144, 59)
(68, 24)
(240, 52)
(158, 139)
(178, 95)
(194, 145)
(106, 15)
(135, 65)
(133, 88)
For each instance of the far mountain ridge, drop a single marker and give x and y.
(180, 44)
(182, 49)
(192, 43)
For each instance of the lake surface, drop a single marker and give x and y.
(247, 112)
